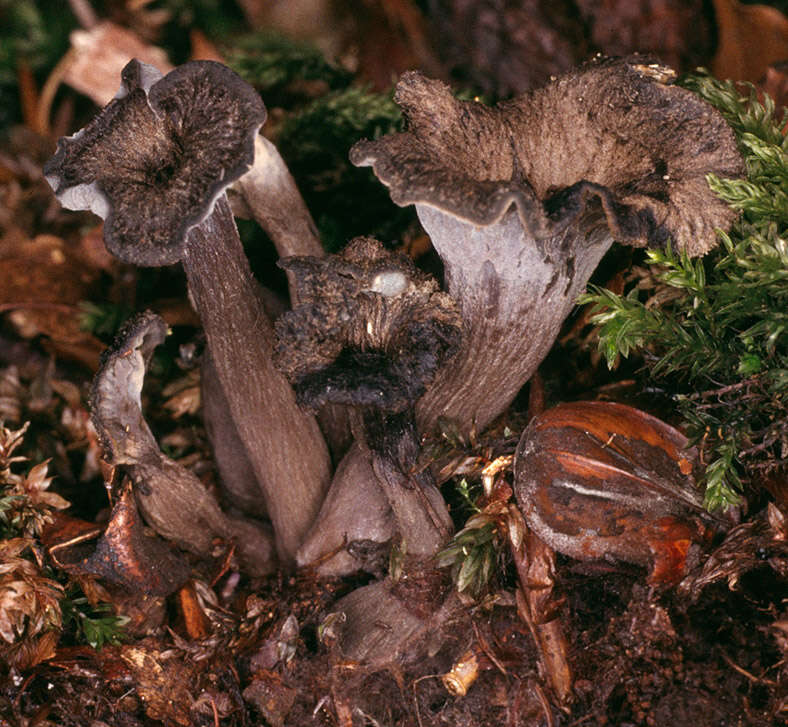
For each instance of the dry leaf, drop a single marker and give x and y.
(98, 55)
(41, 282)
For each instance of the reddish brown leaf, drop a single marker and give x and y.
(41, 282)
(125, 555)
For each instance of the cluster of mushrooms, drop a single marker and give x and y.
(316, 410)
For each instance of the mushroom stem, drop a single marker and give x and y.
(285, 446)
(420, 513)
(238, 481)
(355, 517)
(503, 276)
(270, 193)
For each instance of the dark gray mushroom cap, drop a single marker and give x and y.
(370, 330)
(612, 133)
(158, 156)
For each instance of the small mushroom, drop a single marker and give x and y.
(173, 500)
(155, 164)
(370, 332)
(522, 200)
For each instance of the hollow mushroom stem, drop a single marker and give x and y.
(269, 192)
(282, 442)
(503, 282)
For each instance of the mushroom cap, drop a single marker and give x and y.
(612, 133)
(370, 329)
(159, 155)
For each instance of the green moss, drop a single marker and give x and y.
(344, 200)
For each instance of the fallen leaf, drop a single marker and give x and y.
(41, 282)
(99, 54)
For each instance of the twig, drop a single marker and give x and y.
(754, 679)
(49, 89)
(61, 307)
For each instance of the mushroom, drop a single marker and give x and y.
(522, 200)
(370, 332)
(173, 500)
(155, 164)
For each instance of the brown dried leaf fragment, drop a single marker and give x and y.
(99, 54)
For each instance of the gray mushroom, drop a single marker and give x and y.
(155, 164)
(522, 200)
(370, 332)
(172, 499)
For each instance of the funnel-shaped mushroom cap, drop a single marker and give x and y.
(155, 160)
(611, 133)
(370, 330)
(522, 200)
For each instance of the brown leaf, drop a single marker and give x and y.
(98, 55)
(30, 651)
(125, 555)
(35, 485)
(751, 38)
(41, 282)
